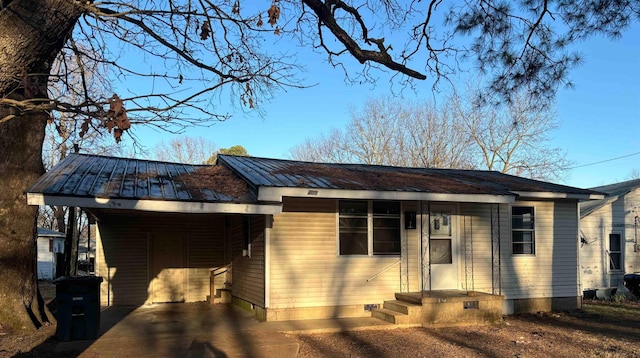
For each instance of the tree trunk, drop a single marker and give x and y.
(32, 33)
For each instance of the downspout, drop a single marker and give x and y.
(579, 258)
(267, 261)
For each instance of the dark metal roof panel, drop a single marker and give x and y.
(287, 173)
(83, 175)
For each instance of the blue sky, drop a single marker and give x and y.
(599, 118)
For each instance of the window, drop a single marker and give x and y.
(522, 230)
(369, 226)
(615, 252)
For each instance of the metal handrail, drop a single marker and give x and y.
(383, 271)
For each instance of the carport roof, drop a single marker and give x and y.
(95, 181)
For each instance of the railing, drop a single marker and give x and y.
(383, 271)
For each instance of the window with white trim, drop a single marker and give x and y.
(522, 230)
(369, 227)
(615, 252)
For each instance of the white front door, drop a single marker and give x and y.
(441, 241)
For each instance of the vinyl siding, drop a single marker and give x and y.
(616, 217)
(553, 270)
(475, 226)
(306, 269)
(248, 271)
(46, 259)
(122, 250)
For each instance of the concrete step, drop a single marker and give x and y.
(393, 316)
(223, 295)
(409, 298)
(407, 308)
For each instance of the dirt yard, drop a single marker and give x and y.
(601, 329)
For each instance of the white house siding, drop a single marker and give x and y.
(410, 265)
(306, 270)
(46, 259)
(475, 226)
(248, 271)
(615, 217)
(122, 250)
(553, 270)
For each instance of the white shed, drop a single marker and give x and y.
(50, 243)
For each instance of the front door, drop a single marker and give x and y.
(167, 268)
(441, 249)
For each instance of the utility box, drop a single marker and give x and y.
(78, 305)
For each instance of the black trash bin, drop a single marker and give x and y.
(78, 306)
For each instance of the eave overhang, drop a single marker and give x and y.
(275, 194)
(156, 205)
(550, 195)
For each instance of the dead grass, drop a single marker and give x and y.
(599, 330)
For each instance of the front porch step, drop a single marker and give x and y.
(407, 308)
(399, 312)
(414, 298)
(223, 295)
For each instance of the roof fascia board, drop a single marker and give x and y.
(154, 205)
(550, 195)
(277, 193)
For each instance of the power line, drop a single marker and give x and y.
(604, 161)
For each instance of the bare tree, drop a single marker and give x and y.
(634, 174)
(193, 150)
(205, 48)
(323, 148)
(389, 131)
(434, 137)
(514, 138)
(373, 133)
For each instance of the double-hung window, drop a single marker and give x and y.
(522, 230)
(615, 252)
(369, 227)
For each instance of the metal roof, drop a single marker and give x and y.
(296, 174)
(83, 175)
(613, 191)
(44, 232)
(85, 180)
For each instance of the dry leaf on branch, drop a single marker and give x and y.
(274, 14)
(117, 119)
(205, 30)
(84, 128)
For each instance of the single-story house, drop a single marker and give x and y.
(609, 230)
(298, 240)
(50, 246)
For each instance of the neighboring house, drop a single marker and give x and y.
(50, 245)
(609, 233)
(309, 240)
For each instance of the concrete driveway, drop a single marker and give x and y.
(200, 330)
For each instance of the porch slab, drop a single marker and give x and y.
(456, 307)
